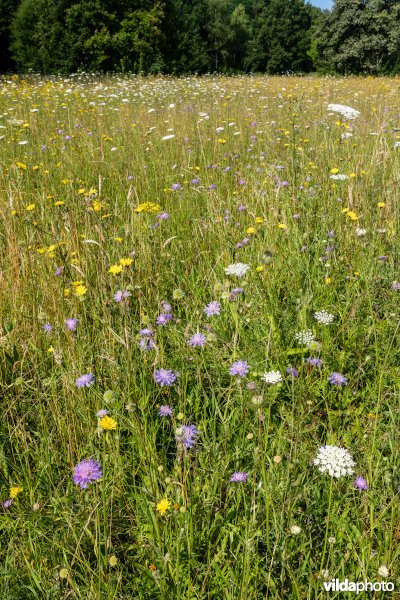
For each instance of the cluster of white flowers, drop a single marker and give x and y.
(237, 269)
(305, 338)
(339, 176)
(346, 136)
(346, 111)
(272, 377)
(322, 316)
(396, 145)
(335, 461)
(360, 232)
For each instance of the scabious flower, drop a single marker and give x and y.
(239, 477)
(212, 308)
(314, 362)
(396, 285)
(71, 324)
(305, 338)
(240, 368)
(292, 371)
(360, 483)
(47, 327)
(337, 379)
(272, 377)
(335, 461)
(85, 380)
(86, 472)
(197, 340)
(102, 413)
(187, 436)
(237, 269)
(121, 295)
(7, 503)
(165, 410)
(164, 377)
(147, 343)
(322, 316)
(163, 318)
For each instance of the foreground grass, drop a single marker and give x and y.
(95, 153)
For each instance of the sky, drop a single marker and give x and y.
(322, 3)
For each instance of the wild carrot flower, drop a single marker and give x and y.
(335, 461)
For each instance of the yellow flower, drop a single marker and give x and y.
(381, 205)
(115, 269)
(221, 141)
(259, 220)
(113, 560)
(352, 215)
(282, 226)
(80, 290)
(59, 203)
(63, 573)
(334, 171)
(125, 262)
(119, 239)
(327, 280)
(30, 207)
(148, 207)
(14, 491)
(259, 268)
(163, 506)
(108, 423)
(250, 230)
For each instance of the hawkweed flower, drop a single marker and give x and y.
(164, 377)
(187, 436)
(335, 461)
(15, 490)
(86, 472)
(163, 506)
(239, 477)
(240, 368)
(360, 483)
(108, 423)
(212, 308)
(272, 377)
(71, 324)
(85, 380)
(337, 379)
(165, 410)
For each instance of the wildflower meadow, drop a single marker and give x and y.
(199, 339)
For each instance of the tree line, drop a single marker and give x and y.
(199, 36)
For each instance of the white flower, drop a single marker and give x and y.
(383, 571)
(346, 111)
(322, 316)
(360, 232)
(396, 145)
(346, 136)
(295, 529)
(23, 142)
(237, 269)
(168, 137)
(336, 461)
(339, 176)
(305, 338)
(272, 377)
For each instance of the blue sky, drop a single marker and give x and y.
(322, 3)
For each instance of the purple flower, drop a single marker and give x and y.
(241, 208)
(314, 362)
(71, 324)
(166, 306)
(121, 295)
(146, 332)
(165, 410)
(187, 435)
(292, 371)
(7, 503)
(197, 340)
(239, 477)
(87, 471)
(164, 377)
(147, 344)
(176, 186)
(337, 379)
(102, 413)
(212, 308)
(195, 181)
(163, 318)
(240, 368)
(361, 483)
(396, 285)
(47, 327)
(162, 216)
(85, 380)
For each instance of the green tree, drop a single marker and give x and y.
(7, 10)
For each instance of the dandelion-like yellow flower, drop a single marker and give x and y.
(30, 207)
(14, 491)
(163, 506)
(250, 230)
(80, 290)
(148, 207)
(125, 262)
(115, 269)
(108, 423)
(381, 205)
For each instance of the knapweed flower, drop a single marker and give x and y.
(335, 461)
(164, 377)
(346, 111)
(305, 338)
(239, 477)
(322, 316)
(212, 308)
(108, 423)
(272, 377)
(121, 295)
(240, 368)
(85, 380)
(187, 436)
(163, 506)
(360, 483)
(197, 340)
(165, 410)
(87, 471)
(237, 269)
(337, 379)
(71, 324)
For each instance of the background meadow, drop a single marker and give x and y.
(123, 200)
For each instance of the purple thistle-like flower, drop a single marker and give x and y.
(7, 503)
(47, 327)
(85, 380)
(239, 477)
(212, 308)
(292, 371)
(187, 436)
(121, 295)
(163, 318)
(360, 483)
(71, 324)
(314, 362)
(337, 379)
(240, 368)
(164, 377)
(165, 410)
(87, 471)
(197, 340)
